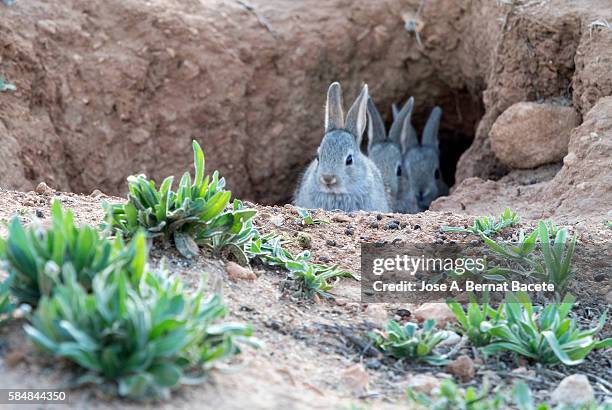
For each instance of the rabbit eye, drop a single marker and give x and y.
(398, 171)
(437, 174)
(349, 160)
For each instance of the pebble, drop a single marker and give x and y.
(39, 213)
(573, 390)
(463, 368)
(440, 312)
(304, 240)
(392, 225)
(341, 218)
(330, 242)
(236, 272)
(349, 231)
(423, 383)
(43, 189)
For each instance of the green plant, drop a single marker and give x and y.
(451, 397)
(307, 219)
(410, 342)
(314, 278)
(5, 86)
(34, 256)
(193, 215)
(552, 264)
(547, 335)
(6, 304)
(141, 337)
(471, 319)
(487, 225)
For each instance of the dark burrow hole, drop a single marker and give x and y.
(462, 110)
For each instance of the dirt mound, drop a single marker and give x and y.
(580, 191)
(107, 91)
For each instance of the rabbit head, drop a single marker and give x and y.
(422, 162)
(340, 164)
(341, 177)
(385, 151)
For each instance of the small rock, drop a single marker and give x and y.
(463, 368)
(572, 390)
(609, 297)
(349, 231)
(43, 189)
(600, 277)
(236, 272)
(379, 217)
(39, 213)
(373, 364)
(377, 313)
(96, 193)
(440, 312)
(392, 225)
(341, 218)
(324, 259)
(277, 220)
(374, 225)
(529, 134)
(356, 379)
(452, 339)
(416, 227)
(524, 372)
(304, 240)
(15, 356)
(423, 383)
(330, 242)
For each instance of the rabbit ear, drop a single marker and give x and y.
(356, 117)
(334, 116)
(395, 110)
(430, 133)
(401, 129)
(376, 127)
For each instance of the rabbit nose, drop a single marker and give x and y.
(328, 180)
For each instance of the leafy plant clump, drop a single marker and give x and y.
(193, 215)
(547, 335)
(488, 225)
(314, 278)
(410, 342)
(34, 257)
(140, 337)
(471, 319)
(451, 397)
(6, 304)
(307, 219)
(551, 263)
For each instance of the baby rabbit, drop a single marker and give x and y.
(422, 163)
(385, 151)
(341, 177)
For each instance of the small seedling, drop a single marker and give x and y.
(551, 264)
(314, 278)
(450, 397)
(487, 225)
(4, 86)
(410, 342)
(307, 219)
(547, 335)
(471, 319)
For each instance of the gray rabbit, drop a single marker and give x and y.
(341, 177)
(386, 152)
(421, 163)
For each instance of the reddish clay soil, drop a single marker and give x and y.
(114, 88)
